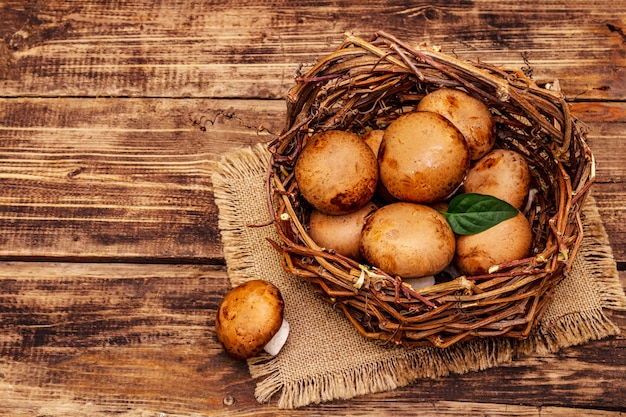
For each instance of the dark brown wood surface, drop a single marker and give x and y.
(112, 116)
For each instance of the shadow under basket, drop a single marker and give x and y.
(366, 85)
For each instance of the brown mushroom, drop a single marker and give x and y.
(250, 319)
(502, 173)
(340, 233)
(408, 239)
(423, 157)
(470, 115)
(505, 242)
(336, 172)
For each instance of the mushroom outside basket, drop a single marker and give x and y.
(367, 84)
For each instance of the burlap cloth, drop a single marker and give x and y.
(325, 358)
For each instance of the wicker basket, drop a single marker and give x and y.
(367, 84)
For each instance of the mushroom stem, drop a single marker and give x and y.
(277, 342)
(417, 283)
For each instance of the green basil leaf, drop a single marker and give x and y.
(473, 213)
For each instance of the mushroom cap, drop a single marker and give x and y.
(248, 317)
(470, 115)
(423, 157)
(336, 172)
(502, 173)
(505, 242)
(408, 239)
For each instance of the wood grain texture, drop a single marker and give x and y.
(106, 338)
(112, 116)
(109, 178)
(607, 130)
(252, 49)
(134, 340)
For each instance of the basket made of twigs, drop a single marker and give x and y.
(367, 84)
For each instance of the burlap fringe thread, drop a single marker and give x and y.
(385, 375)
(242, 163)
(429, 362)
(599, 256)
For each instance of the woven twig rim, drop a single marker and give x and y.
(367, 84)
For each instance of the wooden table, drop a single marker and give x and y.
(112, 115)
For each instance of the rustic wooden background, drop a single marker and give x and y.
(112, 115)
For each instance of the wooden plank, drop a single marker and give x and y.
(129, 179)
(612, 207)
(605, 138)
(103, 178)
(98, 176)
(81, 338)
(252, 49)
(130, 339)
(606, 123)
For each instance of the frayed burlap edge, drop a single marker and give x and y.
(598, 255)
(240, 164)
(384, 375)
(408, 366)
